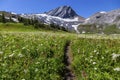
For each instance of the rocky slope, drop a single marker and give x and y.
(66, 17)
(62, 16)
(63, 12)
(99, 21)
(111, 17)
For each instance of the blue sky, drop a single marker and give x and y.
(84, 8)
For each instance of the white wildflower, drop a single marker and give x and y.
(11, 55)
(14, 51)
(106, 51)
(95, 68)
(91, 60)
(37, 62)
(86, 59)
(14, 46)
(83, 32)
(95, 51)
(37, 49)
(117, 69)
(5, 57)
(114, 56)
(23, 79)
(36, 69)
(23, 48)
(94, 62)
(1, 52)
(102, 57)
(91, 56)
(20, 55)
(4, 36)
(25, 70)
(3, 64)
(28, 49)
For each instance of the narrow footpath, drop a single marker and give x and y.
(68, 72)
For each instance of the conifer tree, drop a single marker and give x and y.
(3, 18)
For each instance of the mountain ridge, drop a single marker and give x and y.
(67, 17)
(100, 22)
(63, 16)
(63, 12)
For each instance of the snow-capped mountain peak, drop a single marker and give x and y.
(103, 17)
(63, 16)
(103, 12)
(63, 12)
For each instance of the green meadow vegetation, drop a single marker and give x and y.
(31, 56)
(94, 28)
(27, 53)
(96, 59)
(16, 27)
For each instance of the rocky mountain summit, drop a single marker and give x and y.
(66, 17)
(101, 21)
(62, 16)
(111, 17)
(63, 12)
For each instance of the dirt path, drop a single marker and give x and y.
(68, 73)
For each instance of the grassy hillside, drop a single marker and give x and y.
(96, 59)
(16, 27)
(19, 27)
(27, 53)
(31, 57)
(94, 28)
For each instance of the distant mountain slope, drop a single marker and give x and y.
(68, 19)
(102, 22)
(63, 12)
(9, 15)
(104, 17)
(62, 16)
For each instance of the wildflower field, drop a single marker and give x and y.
(40, 56)
(96, 59)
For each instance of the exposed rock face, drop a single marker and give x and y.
(104, 18)
(63, 12)
(102, 22)
(63, 16)
(66, 17)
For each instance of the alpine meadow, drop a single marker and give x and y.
(59, 44)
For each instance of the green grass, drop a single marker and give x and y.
(93, 57)
(16, 27)
(93, 28)
(38, 55)
(31, 56)
(111, 29)
(19, 27)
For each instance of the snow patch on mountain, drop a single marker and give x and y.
(87, 19)
(63, 16)
(68, 23)
(75, 27)
(14, 13)
(62, 19)
(15, 20)
(7, 17)
(103, 12)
